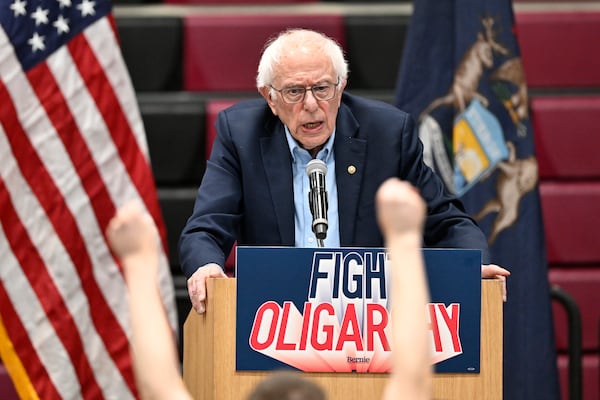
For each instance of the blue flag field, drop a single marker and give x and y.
(462, 79)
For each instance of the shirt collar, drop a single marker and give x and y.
(323, 155)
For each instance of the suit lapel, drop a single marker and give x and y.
(277, 165)
(350, 153)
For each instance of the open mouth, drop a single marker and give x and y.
(312, 125)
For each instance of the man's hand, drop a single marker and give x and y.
(493, 271)
(197, 284)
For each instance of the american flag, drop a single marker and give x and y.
(72, 150)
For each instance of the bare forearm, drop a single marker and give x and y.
(400, 213)
(412, 366)
(152, 343)
(134, 239)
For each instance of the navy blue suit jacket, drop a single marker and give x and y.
(246, 193)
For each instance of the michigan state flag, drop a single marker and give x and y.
(462, 79)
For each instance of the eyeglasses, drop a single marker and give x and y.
(296, 94)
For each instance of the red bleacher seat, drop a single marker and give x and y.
(213, 107)
(230, 262)
(566, 139)
(559, 49)
(590, 371)
(7, 389)
(582, 284)
(221, 52)
(572, 230)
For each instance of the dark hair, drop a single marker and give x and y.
(286, 385)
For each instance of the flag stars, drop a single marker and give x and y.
(61, 24)
(87, 8)
(36, 42)
(64, 3)
(40, 16)
(18, 7)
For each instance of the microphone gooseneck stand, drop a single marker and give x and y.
(317, 199)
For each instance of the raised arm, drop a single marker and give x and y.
(401, 213)
(134, 240)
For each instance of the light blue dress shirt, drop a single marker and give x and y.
(302, 215)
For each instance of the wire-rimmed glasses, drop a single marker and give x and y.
(295, 94)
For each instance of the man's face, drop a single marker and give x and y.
(311, 121)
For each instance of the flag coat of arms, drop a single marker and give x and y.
(462, 79)
(72, 150)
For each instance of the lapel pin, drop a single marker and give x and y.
(351, 169)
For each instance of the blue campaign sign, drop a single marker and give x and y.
(327, 310)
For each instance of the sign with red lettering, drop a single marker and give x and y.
(328, 310)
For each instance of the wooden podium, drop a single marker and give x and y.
(209, 356)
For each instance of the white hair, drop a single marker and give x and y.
(274, 49)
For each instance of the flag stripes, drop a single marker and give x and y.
(65, 224)
(15, 327)
(48, 267)
(72, 149)
(20, 377)
(45, 309)
(123, 130)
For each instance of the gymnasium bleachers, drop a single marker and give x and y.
(219, 51)
(557, 48)
(235, 44)
(563, 76)
(188, 59)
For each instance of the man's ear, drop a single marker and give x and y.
(343, 85)
(341, 90)
(266, 93)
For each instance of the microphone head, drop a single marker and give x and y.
(319, 228)
(316, 165)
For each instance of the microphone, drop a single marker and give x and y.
(317, 198)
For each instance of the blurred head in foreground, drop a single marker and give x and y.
(287, 386)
